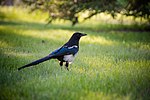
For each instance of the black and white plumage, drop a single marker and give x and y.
(66, 53)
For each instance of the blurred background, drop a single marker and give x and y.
(78, 11)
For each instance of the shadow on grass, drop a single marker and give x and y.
(119, 33)
(80, 27)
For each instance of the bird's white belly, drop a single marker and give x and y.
(69, 58)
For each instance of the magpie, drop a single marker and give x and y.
(64, 54)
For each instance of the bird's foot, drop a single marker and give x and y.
(67, 68)
(67, 64)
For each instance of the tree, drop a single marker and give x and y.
(71, 9)
(138, 8)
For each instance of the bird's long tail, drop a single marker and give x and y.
(36, 62)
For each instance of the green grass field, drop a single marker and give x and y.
(111, 64)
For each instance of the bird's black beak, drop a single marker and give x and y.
(83, 34)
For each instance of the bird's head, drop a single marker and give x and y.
(78, 35)
(74, 40)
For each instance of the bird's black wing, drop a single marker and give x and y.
(64, 51)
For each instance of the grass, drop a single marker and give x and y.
(111, 64)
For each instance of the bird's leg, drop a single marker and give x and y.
(61, 64)
(67, 64)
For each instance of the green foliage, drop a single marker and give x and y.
(70, 9)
